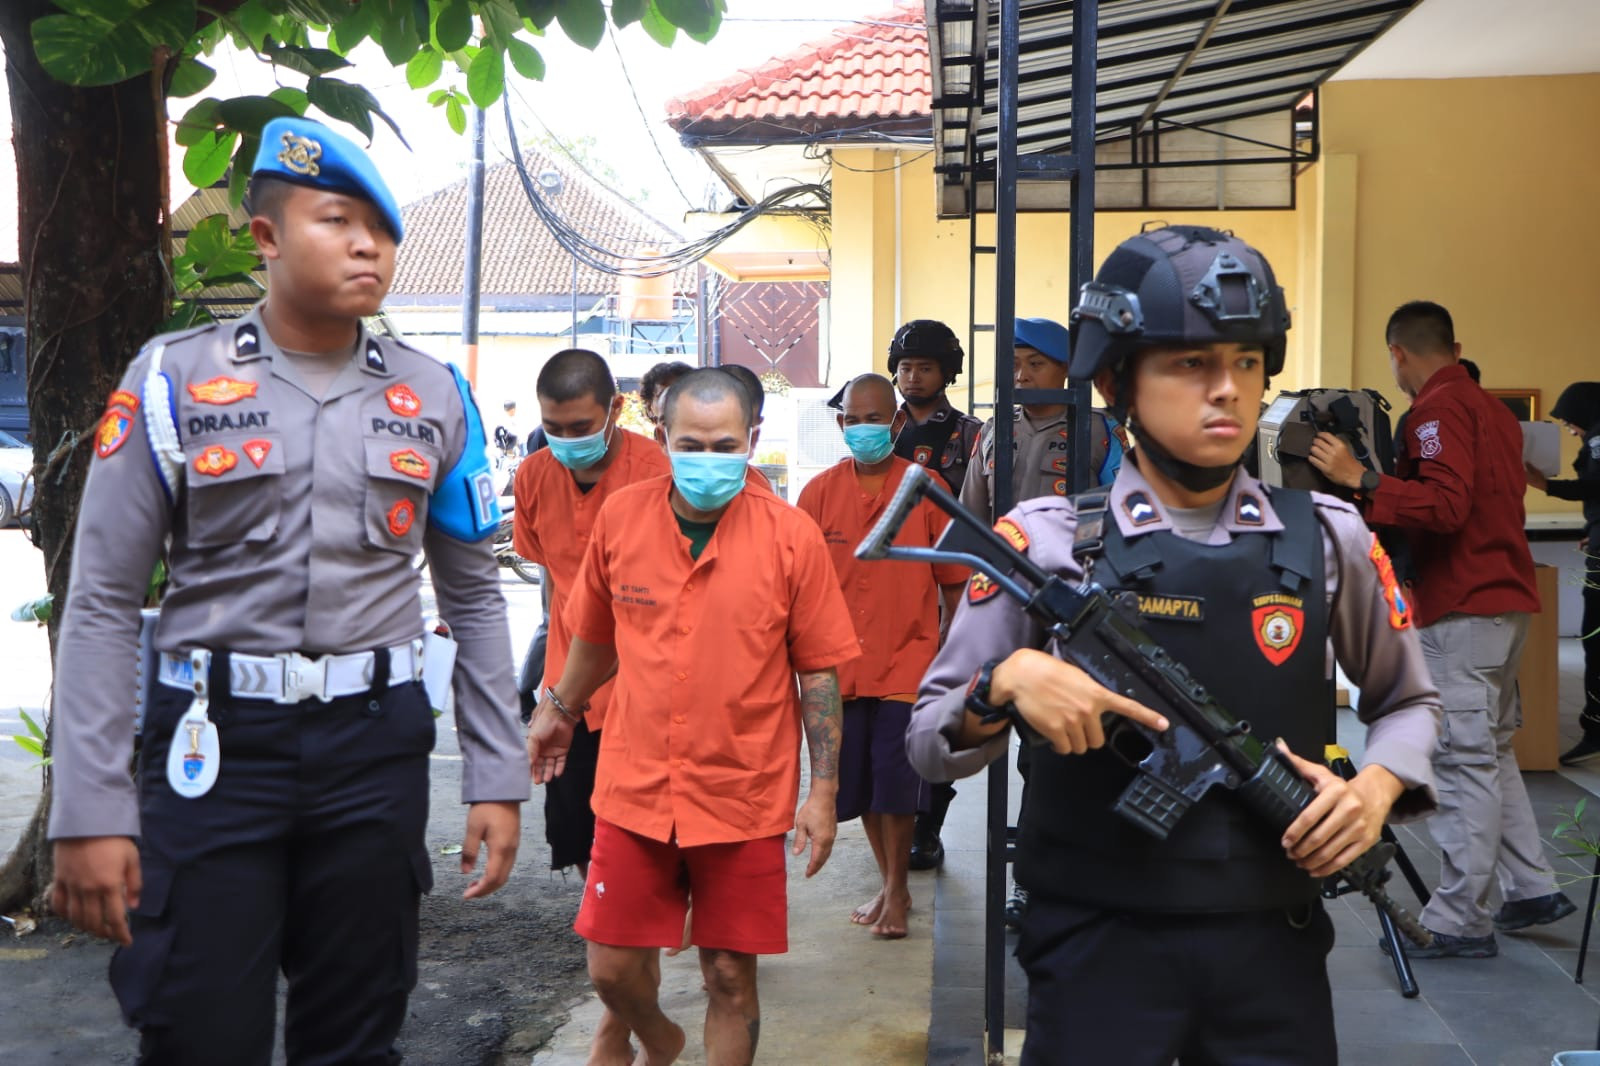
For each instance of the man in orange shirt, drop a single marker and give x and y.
(708, 599)
(896, 614)
(559, 490)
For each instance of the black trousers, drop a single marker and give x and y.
(1590, 632)
(1246, 989)
(307, 856)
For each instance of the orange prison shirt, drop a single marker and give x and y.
(894, 604)
(552, 527)
(702, 739)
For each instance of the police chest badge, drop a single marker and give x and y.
(403, 401)
(223, 391)
(1277, 621)
(215, 461)
(923, 455)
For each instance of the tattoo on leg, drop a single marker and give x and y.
(821, 712)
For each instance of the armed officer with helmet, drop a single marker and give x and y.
(925, 358)
(1209, 946)
(290, 465)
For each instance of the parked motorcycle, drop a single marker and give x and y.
(505, 552)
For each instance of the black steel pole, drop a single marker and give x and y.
(574, 300)
(472, 283)
(1080, 268)
(1005, 298)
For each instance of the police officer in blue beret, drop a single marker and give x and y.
(290, 465)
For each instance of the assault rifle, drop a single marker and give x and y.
(1204, 746)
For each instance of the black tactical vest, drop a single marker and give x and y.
(1249, 620)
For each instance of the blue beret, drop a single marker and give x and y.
(308, 153)
(1046, 337)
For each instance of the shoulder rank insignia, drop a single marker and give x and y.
(246, 341)
(223, 390)
(1399, 607)
(410, 463)
(400, 517)
(215, 461)
(403, 401)
(1141, 512)
(1247, 511)
(256, 451)
(1278, 620)
(1012, 533)
(375, 357)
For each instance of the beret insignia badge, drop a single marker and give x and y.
(300, 155)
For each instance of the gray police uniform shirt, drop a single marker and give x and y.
(1399, 704)
(295, 528)
(1039, 466)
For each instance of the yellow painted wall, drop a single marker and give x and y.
(934, 261)
(1476, 193)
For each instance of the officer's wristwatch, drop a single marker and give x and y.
(978, 697)
(1370, 480)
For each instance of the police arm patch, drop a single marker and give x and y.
(981, 587)
(1012, 533)
(1393, 596)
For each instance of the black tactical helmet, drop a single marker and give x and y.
(927, 338)
(1179, 285)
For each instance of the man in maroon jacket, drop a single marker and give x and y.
(1457, 494)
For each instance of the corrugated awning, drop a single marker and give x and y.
(1164, 66)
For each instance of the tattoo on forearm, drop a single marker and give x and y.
(823, 716)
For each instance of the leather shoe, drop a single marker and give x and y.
(1581, 752)
(1446, 946)
(1540, 910)
(927, 852)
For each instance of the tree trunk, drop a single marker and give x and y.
(89, 183)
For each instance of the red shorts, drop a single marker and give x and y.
(639, 889)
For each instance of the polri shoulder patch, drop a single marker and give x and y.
(981, 587)
(112, 433)
(1399, 606)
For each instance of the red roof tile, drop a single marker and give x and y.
(858, 76)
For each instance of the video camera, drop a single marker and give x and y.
(1292, 421)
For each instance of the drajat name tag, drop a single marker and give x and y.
(195, 755)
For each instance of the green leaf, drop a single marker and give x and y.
(525, 58)
(627, 12)
(538, 12)
(33, 727)
(693, 16)
(352, 29)
(30, 745)
(455, 114)
(350, 103)
(308, 61)
(256, 22)
(438, 96)
(248, 114)
(206, 161)
(656, 25)
(500, 19)
(583, 20)
(400, 36)
(203, 118)
(102, 42)
(243, 163)
(424, 68)
(216, 254)
(292, 98)
(190, 77)
(1577, 810)
(453, 26)
(487, 78)
(704, 36)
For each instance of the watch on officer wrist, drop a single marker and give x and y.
(1370, 480)
(978, 697)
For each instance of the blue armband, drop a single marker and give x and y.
(1113, 460)
(464, 504)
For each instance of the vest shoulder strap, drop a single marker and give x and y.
(1297, 550)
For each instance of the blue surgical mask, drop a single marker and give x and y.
(580, 453)
(868, 443)
(708, 480)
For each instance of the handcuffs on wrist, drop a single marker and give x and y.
(561, 708)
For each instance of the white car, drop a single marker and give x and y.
(16, 486)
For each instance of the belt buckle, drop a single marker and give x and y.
(303, 678)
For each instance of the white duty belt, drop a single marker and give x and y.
(290, 677)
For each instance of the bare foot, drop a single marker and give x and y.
(688, 923)
(892, 923)
(662, 1056)
(868, 912)
(610, 1046)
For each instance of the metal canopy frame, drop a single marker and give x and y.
(1029, 92)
